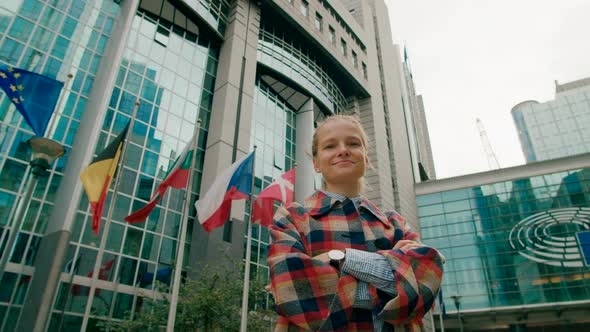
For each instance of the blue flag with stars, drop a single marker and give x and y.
(34, 95)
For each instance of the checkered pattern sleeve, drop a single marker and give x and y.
(418, 276)
(308, 291)
(371, 268)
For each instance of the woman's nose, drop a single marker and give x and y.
(343, 150)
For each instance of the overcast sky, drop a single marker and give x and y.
(479, 58)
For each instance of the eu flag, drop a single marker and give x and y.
(34, 95)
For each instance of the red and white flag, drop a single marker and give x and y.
(280, 190)
(177, 178)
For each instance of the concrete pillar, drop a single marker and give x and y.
(305, 170)
(229, 132)
(50, 258)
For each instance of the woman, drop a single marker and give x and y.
(338, 263)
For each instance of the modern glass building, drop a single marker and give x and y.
(517, 246)
(556, 128)
(254, 72)
(420, 148)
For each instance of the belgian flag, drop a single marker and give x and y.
(97, 177)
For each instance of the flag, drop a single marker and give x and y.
(97, 177)
(74, 264)
(34, 95)
(177, 177)
(441, 303)
(24, 280)
(162, 275)
(104, 268)
(281, 190)
(233, 184)
(102, 274)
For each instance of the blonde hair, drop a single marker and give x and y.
(364, 140)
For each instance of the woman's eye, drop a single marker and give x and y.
(355, 144)
(329, 146)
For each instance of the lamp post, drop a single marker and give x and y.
(456, 299)
(45, 151)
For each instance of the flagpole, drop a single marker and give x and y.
(442, 310)
(19, 215)
(244, 321)
(114, 300)
(24, 202)
(73, 271)
(44, 152)
(181, 240)
(105, 232)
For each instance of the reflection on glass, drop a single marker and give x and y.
(512, 242)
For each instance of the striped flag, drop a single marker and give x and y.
(233, 184)
(97, 177)
(177, 177)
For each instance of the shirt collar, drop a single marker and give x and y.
(319, 204)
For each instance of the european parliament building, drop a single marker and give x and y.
(517, 244)
(254, 72)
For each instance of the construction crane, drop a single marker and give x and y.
(487, 147)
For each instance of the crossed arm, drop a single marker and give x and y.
(314, 295)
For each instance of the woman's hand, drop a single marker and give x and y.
(323, 257)
(405, 245)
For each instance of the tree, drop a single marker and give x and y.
(210, 302)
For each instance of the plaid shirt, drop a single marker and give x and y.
(312, 295)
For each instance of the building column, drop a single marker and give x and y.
(50, 258)
(305, 171)
(230, 127)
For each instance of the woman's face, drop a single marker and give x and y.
(341, 156)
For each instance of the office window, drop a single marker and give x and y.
(304, 8)
(343, 47)
(332, 34)
(354, 59)
(319, 23)
(365, 71)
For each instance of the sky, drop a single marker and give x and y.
(479, 58)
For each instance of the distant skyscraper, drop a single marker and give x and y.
(557, 128)
(417, 127)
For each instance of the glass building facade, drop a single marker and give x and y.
(288, 57)
(511, 243)
(162, 65)
(169, 66)
(557, 128)
(54, 38)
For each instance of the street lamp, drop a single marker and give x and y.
(456, 299)
(45, 151)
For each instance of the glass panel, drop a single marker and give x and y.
(101, 302)
(123, 304)
(507, 245)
